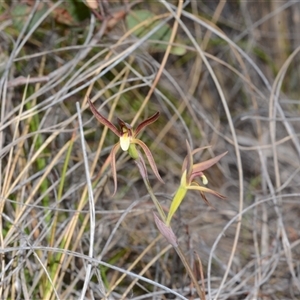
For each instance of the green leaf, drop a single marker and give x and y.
(179, 196)
(163, 34)
(78, 10)
(20, 14)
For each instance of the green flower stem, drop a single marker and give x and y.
(134, 153)
(154, 199)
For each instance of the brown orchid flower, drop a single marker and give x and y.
(190, 172)
(128, 141)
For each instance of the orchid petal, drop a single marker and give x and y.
(106, 163)
(188, 162)
(125, 127)
(103, 120)
(141, 165)
(149, 157)
(197, 187)
(146, 123)
(208, 163)
(113, 164)
(200, 149)
(184, 164)
(205, 199)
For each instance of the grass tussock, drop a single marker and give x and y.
(224, 74)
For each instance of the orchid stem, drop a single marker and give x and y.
(155, 201)
(162, 215)
(199, 290)
(138, 159)
(141, 166)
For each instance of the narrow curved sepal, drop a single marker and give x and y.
(112, 159)
(184, 164)
(125, 127)
(208, 163)
(139, 161)
(197, 187)
(189, 162)
(103, 120)
(149, 157)
(146, 123)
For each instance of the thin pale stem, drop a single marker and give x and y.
(198, 288)
(154, 199)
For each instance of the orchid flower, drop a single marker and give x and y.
(127, 141)
(190, 172)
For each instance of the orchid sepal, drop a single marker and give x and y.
(184, 164)
(149, 157)
(208, 163)
(197, 187)
(103, 120)
(146, 123)
(113, 165)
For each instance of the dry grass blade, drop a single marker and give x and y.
(91, 207)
